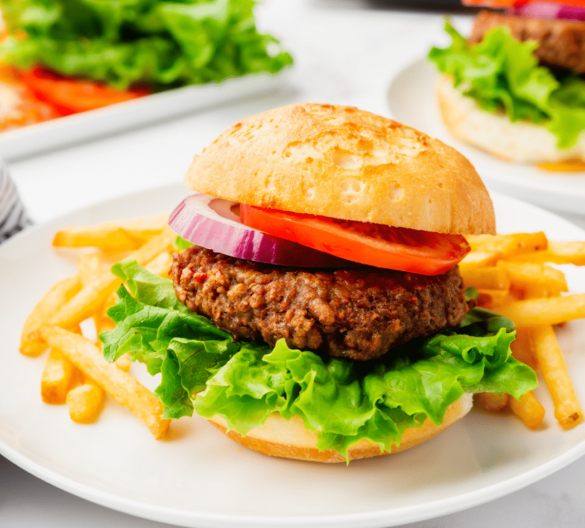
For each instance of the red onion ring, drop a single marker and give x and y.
(548, 10)
(212, 223)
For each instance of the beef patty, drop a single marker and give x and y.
(561, 43)
(356, 313)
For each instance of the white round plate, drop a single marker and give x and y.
(198, 477)
(412, 101)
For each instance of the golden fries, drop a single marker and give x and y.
(554, 371)
(56, 378)
(112, 237)
(85, 402)
(489, 278)
(89, 266)
(58, 295)
(550, 311)
(480, 259)
(118, 384)
(535, 280)
(557, 253)
(522, 349)
(528, 409)
(491, 402)
(508, 245)
(161, 264)
(492, 298)
(528, 291)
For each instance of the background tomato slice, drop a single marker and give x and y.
(70, 96)
(512, 3)
(372, 244)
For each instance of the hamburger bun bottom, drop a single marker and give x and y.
(289, 439)
(521, 141)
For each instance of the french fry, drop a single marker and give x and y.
(157, 244)
(161, 264)
(479, 259)
(554, 371)
(58, 295)
(551, 311)
(88, 300)
(489, 401)
(122, 387)
(111, 237)
(89, 266)
(557, 253)
(103, 323)
(56, 378)
(535, 280)
(489, 278)
(508, 245)
(123, 363)
(522, 349)
(492, 298)
(85, 402)
(528, 409)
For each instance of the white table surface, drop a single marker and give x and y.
(346, 52)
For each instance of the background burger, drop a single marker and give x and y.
(515, 88)
(316, 310)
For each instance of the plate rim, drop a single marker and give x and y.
(378, 518)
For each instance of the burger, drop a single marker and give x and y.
(515, 87)
(315, 309)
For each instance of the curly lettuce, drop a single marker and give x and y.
(501, 73)
(204, 369)
(154, 43)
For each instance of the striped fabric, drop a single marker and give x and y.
(13, 217)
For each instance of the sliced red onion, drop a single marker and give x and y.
(212, 223)
(550, 10)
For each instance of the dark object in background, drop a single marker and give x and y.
(431, 5)
(13, 217)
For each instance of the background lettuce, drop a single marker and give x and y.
(157, 43)
(503, 73)
(206, 370)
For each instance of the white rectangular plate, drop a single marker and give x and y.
(122, 116)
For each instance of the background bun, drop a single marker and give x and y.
(341, 162)
(290, 439)
(520, 141)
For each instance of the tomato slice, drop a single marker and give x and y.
(18, 105)
(376, 245)
(71, 95)
(513, 3)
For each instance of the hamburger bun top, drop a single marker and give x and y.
(345, 163)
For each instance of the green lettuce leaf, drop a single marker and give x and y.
(156, 43)
(501, 73)
(206, 370)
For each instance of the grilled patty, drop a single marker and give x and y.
(356, 313)
(561, 43)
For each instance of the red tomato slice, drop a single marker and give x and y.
(376, 245)
(513, 3)
(71, 95)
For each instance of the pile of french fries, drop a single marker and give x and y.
(75, 371)
(512, 274)
(514, 277)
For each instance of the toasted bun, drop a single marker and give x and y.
(520, 141)
(290, 439)
(341, 162)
